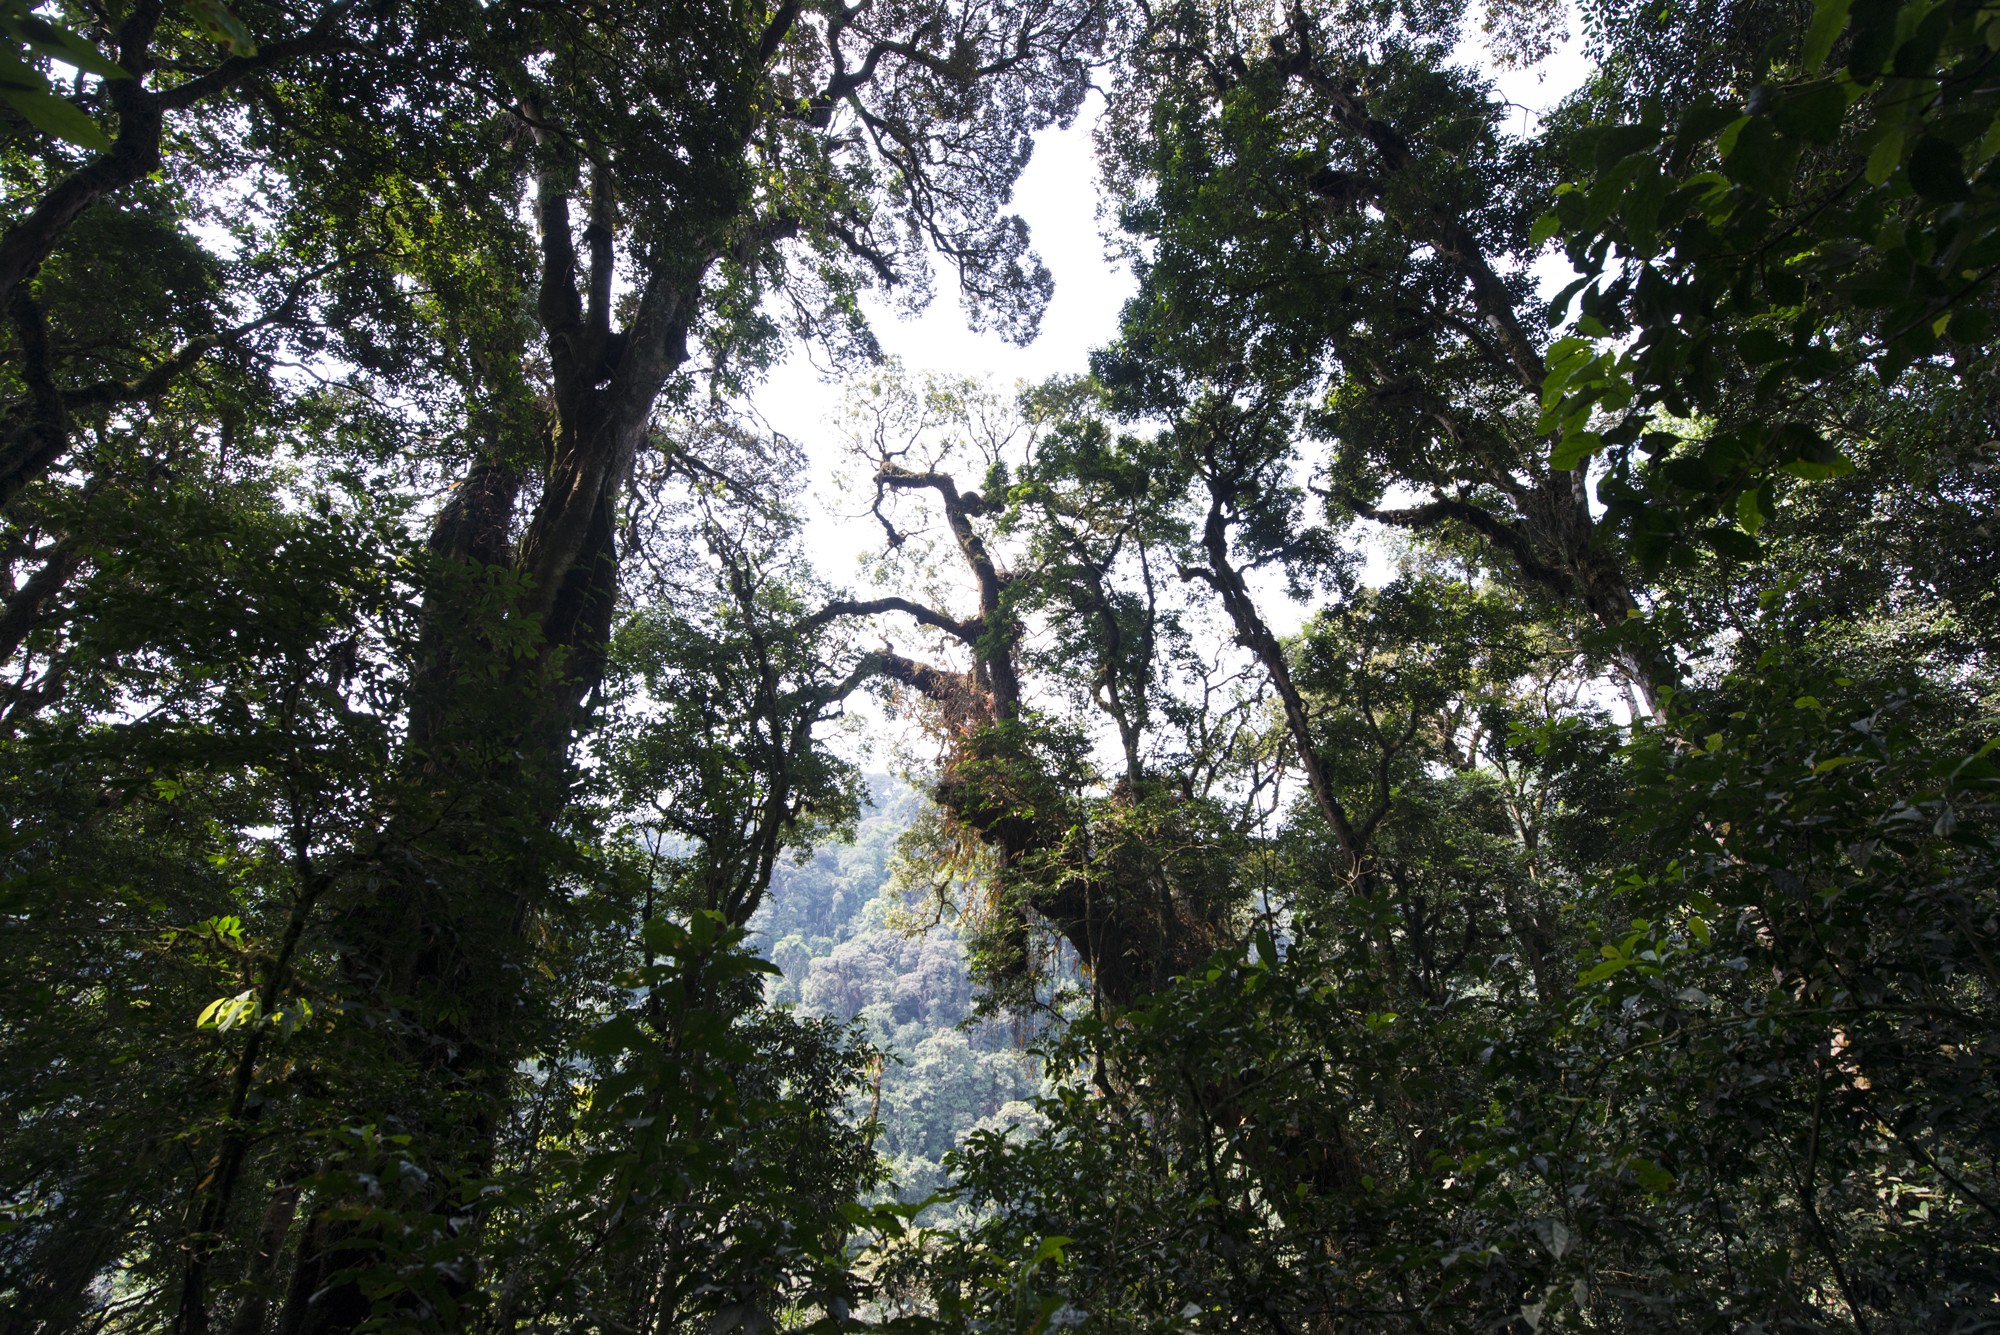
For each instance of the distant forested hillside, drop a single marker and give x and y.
(833, 925)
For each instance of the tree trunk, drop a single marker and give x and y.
(440, 952)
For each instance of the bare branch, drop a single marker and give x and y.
(966, 631)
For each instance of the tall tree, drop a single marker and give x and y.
(502, 240)
(1330, 217)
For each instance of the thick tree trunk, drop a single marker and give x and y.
(441, 951)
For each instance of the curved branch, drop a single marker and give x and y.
(317, 41)
(966, 631)
(1255, 635)
(930, 682)
(776, 31)
(104, 393)
(1506, 534)
(135, 153)
(960, 509)
(28, 606)
(169, 368)
(875, 259)
(995, 658)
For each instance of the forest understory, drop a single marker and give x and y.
(1446, 777)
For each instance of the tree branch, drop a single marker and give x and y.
(557, 301)
(37, 437)
(1506, 534)
(960, 508)
(104, 393)
(1450, 237)
(598, 235)
(1256, 636)
(135, 152)
(26, 609)
(967, 632)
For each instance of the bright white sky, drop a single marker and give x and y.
(1058, 196)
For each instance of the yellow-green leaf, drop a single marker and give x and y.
(1748, 513)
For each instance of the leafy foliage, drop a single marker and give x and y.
(1758, 253)
(1429, 812)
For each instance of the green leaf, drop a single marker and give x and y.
(1599, 972)
(1574, 450)
(45, 38)
(1759, 158)
(1971, 327)
(227, 926)
(1051, 1249)
(1917, 57)
(1704, 119)
(1731, 543)
(56, 116)
(1785, 287)
(1886, 156)
(1643, 203)
(1812, 113)
(1545, 227)
(1748, 513)
(1559, 305)
(1655, 1179)
(1873, 23)
(1988, 145)
(1937, 171)
(1725, 143)
(221, 24)
(1829, 17)
(1817, 470)
(1614, 143)
(1807, 455)
(1759, 346)
(226, 1013)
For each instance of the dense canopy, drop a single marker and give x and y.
(1449, 773)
